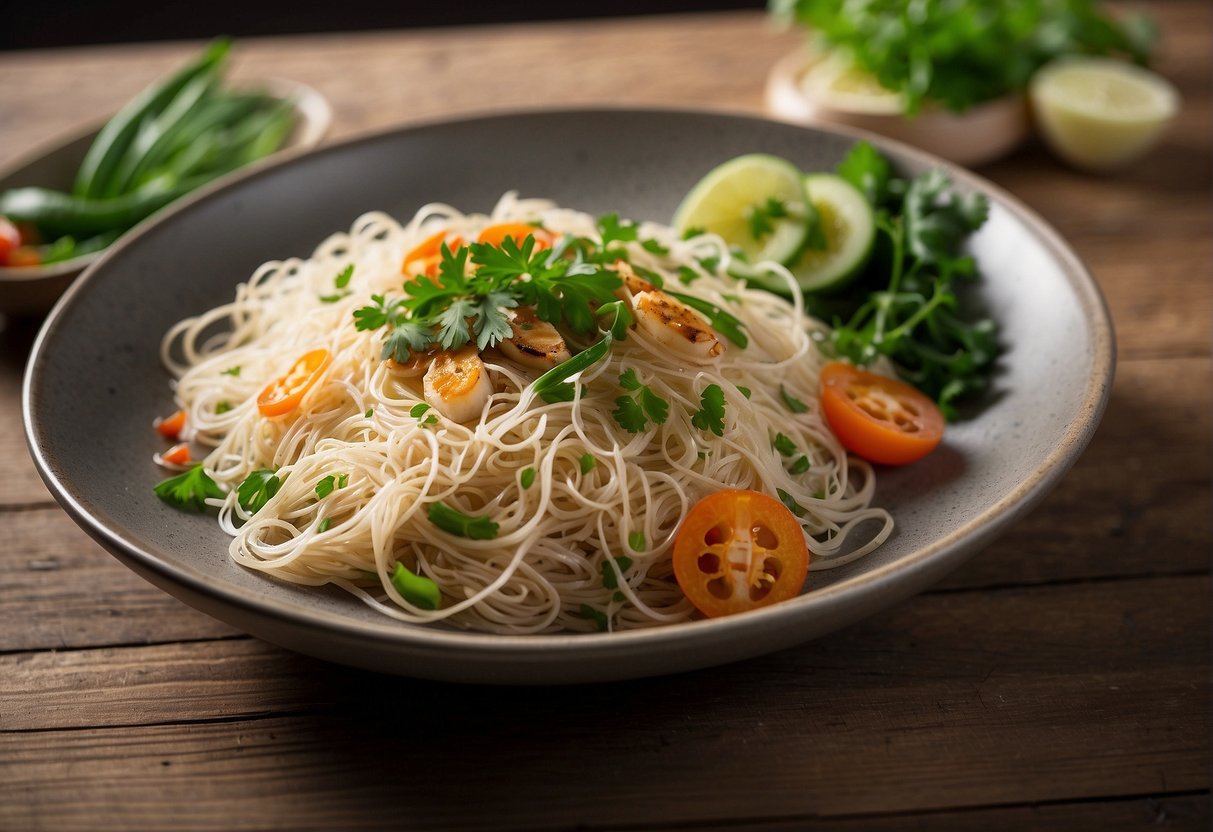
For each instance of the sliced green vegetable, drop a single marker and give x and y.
(416, 589)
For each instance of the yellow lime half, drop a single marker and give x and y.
(838, 84)
(724, 202)
(1100, 113)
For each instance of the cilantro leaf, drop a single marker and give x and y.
(710, 416)
(790, 502)
(612, 229)
(801, 465)
(343, 277)
(654, 247)
(794, 404)
(379, 313)
(404, 339)
(189, 490)
(629, 414)
(633, 412)
(461, 525)
(325, 487)
(609, 579)
(599, 618)
(868, 170)
(492, 325)
(760, 218)
(784, 445)
(452, 322)
(257, 489)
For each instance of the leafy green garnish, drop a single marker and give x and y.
(654, 247)
(461, 525)
(598, 617)
(905, 306)
(587, 463)
(745, 391)
(636, 541)
(794, 404)
(257, 489)
(710, 415)
(784, 445)
(419, 411)
(960, 53)
(527, 478)
(801, 465)
(634, 410)
(416, 589)
(760, 219)
(325, 487)
(609, 579)
(232, 371)
(324, 525)
(222, 407)
(790, 502)
(612, 229)
(343, 277)
(189, 490)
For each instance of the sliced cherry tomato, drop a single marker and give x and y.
(170, 427)
(878, 418)
(426, 257)
(519, 231)
(24, 256)
(284, 394)
(738, 551)
(178, 454)
(10, 238)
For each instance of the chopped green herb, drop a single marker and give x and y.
(794, 404)
(687, 275)
(710, 415)
(527, 478)
(612, 229)
(461, 525)
(609, 578)
(587, 463)
(222, 407)
(634, 410)
(654, 247)
(790, 502)
(636, 541)
(189, 490)
(370, 411)
(599, 618)
(334, 298)
(801, 465)
(232, 371)
(324, 525)
(761, 218)
(418, 410)
(745, 391)
(343, 480)
(693, 232)
(784, 445)
(343, 277)
(618, 596)
(325, 487)
(418, 590)
(257, 489)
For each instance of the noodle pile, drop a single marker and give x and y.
(545, 567)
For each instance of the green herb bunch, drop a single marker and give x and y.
(906, 304)
(959, 53)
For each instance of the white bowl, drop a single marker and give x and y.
(979, 135)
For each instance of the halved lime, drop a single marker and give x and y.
(1099, 113)
(849, 227)
(724, 202)
(837, 83)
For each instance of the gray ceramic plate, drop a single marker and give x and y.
(94, 381)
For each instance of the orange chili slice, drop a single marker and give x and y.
(283, 395)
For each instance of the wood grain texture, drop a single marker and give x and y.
(949, 701)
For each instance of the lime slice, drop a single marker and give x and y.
(724, 201)
(849, 226)
(838, 84)
(1099, 113)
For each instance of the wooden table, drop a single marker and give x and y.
(1060, 680)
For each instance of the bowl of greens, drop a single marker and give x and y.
(949, 77)
(61, 206)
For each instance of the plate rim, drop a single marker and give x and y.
(937, 557)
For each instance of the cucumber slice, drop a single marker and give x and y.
(850, 230)
(724, 201)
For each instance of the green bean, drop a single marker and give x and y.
(107, 150)
(56, 212)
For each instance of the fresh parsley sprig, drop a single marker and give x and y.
(907, 304)
(634, 410)
(189, 490)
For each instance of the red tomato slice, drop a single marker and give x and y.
(10, 238)
(178, 454)
(283, 395)
(519, 231)
(878, 418)
(171, 426)
(738, 551)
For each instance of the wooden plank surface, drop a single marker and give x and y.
(1060, 680)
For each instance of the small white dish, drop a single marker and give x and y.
(982, 134)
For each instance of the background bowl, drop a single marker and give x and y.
(979, 135)
(32, 290)
(99, 354)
